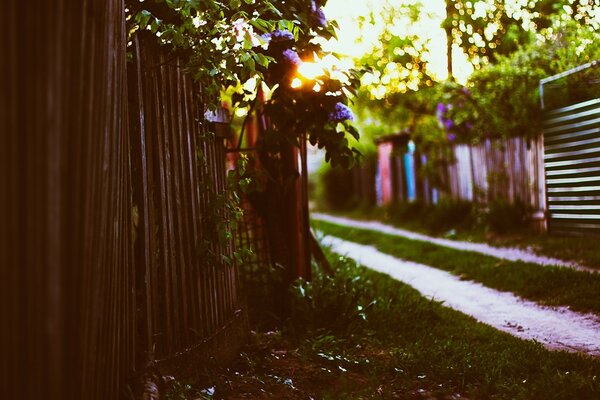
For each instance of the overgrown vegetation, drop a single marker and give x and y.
(454, 216)
(548, 285)
(360, 334)
(522, 44)
(445, 216)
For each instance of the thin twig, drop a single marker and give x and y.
(239, 145)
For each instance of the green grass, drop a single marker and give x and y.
(548, 285)
(362, 335)
(423, 345)
(583, 250)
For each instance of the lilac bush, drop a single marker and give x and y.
(453, 116)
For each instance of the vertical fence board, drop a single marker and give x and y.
(501, 169)
(73, 240)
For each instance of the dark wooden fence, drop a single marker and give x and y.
(103, 208)
(67, 284)
(178, 160)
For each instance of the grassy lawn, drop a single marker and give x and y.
(460, 226)
(548, 285)
(362, 335)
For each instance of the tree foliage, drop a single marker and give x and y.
(488, 29)
(504, 98)
(398, 63)
(243, 44)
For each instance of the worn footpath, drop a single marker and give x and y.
(556, 328)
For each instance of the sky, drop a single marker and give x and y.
(350, 43)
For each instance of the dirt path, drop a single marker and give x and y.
(556, 328)
(505, 253)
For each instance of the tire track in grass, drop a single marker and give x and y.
(556, 328)
(504, 253)
(548, 285)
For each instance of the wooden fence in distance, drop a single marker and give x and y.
(504, 169)
(510, 169)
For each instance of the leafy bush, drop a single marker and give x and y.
(337, 304)
(450, 215)
(446, 215)
(353, 304)
(404, 212)
(505, 95)
(337, 189)
(503, 217)
(500, 217)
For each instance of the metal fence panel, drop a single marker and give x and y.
(572, 162)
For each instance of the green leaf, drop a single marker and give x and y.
(261, 25)
(261, 59)
(142, 18)
(250, 64)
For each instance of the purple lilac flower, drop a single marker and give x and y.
(440, 110)
(448, 124)
(292, 57)
(341, 113)
(266, 37)
(317, 15)
(451, 137)
(465, 90)
(320, 17)
(469, 125)
(281, 36)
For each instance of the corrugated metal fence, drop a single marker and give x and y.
(104, 204)
(572, 160)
